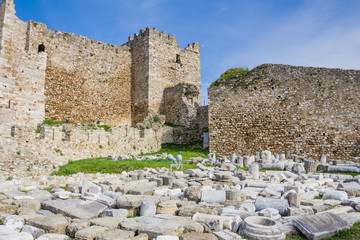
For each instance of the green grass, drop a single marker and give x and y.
(229, 74)
(103, 165)
(52, 123)
(184, 150)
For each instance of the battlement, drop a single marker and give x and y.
(154, 34)
(49, 35)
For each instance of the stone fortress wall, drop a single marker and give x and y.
(84, 81)
(305, 110)
(24, 151)
(159, 63)
(88, 81)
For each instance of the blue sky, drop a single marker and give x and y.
(231, 33)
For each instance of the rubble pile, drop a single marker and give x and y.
(217, 200)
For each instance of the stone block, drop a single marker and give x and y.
(9, 234)
(148, 208)
(116, 234)
(34, 231)
(280, 204)
(50, 224)
(108, 222)
(334, 194)
(90, 233)
(227, 235)
(321, 225)
(218, 196)
(198, 236)
(51, 236)
(14, 222)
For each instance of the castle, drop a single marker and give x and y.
(53, 75)
(48, 74)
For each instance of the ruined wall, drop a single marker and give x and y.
(22, 75)
(86, 80)
(181, 104)
(167, 65)
(27, 151)
(203, 117)
(305, 110)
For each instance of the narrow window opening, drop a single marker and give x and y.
(41, 48)
(178, 59)
(12, 131)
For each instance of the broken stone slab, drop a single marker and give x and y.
(148, 208)
(115, 234)
(84, 210)
(351, 218)
(198, 236)
(211, 196)
(77, 225)
(33, 204)
(41, 195)
(164, 237)
(321, 225)
(9, 234)
(153, 229)
(280, 204)
(133, 202)
(299, 211)
(227, 235)
(34, 231)
(14, 222)
(187, 223)
(229, 222)
(309, 195)
(335, 194)
(7, 208)
(262, 228)
(50, 224)
(51, 236)
(109, 222)
(167, 207)
(141, 189)
(340, 210)
(90, 233)
(351, 188)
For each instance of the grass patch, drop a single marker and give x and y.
(105, 127)
(184, 150)
(232, 72)
(103, 165)
(52, 123)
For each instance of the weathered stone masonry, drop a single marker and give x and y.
(86, 80)
(48, 74)
(305, 110)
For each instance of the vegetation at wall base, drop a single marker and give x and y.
(104, 165)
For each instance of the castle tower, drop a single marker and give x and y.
(22, 74)
(158, 63)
